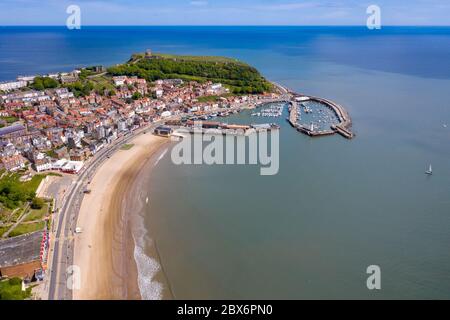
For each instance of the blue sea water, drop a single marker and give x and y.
(336, 206)
(418, 51)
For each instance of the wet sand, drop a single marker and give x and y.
(154, 282)
(104, 251)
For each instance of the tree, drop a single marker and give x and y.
(41, 83)
(37, 203)
(136, 96)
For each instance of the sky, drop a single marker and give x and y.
(225, 12)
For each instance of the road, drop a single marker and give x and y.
(62, 255)
(61, 252)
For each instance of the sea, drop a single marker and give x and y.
(336, 206)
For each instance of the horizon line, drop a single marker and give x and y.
(222, 25)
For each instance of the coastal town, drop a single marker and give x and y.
(53, 124)
(209, 159)
(50, 129)
(56, 130)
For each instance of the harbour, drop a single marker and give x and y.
(342, 126)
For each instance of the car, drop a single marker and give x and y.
(78, 230)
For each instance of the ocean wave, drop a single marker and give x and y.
(147, 269)
(160, 157)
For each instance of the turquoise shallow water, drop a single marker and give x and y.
(336, 206)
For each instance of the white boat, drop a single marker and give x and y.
(429, 171)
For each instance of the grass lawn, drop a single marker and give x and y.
(215, 98)
(37, 214)
(34, 183)
(17, 214)
(127, 146)
(197, 58)
(14, 193)
(208, 99)
(12, 290)
(31, 185)
(102, 82)
(10, 215)
(24, 228)
(4, 229)
(4, 214)
(51, 153)
(9, 120)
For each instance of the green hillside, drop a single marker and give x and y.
(238, 76)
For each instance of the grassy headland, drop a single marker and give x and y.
(238, 76)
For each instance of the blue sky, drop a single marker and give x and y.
(225, 12)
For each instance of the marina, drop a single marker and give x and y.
(310, 115)
(274, 110)
(319, 117)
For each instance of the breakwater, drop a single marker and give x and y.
(343, 127)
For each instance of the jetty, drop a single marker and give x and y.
(343, 127)
(293, 114)
(345, 122)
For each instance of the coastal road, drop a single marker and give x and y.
(62, 255)
(61, 258)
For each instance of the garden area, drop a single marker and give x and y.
(21, 211)
(11, 289)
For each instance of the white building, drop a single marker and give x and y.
(53, 75)
(63, 93)
(119, 81)
(26, 78)
(72, 167)
(42, 163)
(121, 126)
(44, 167)
(166, 114)
(300, 99)
(58, 164)
(68, 166)
(12, 85)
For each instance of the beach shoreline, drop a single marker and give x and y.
(105, 250)
(152, 281)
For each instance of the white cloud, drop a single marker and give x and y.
(286, 6)
(199, 3)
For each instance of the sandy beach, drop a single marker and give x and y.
(104, 250)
